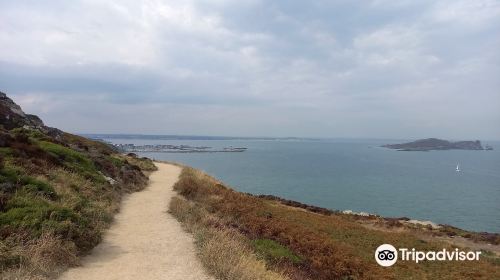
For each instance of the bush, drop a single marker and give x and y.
(274, 252)
(29, 212)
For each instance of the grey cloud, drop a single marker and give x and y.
(322, 68)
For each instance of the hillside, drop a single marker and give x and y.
(436, 144)
(58, 193)
(307, 242)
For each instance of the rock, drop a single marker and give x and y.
(110, 180)
(363, 214)
(35, 120)
(12, 116)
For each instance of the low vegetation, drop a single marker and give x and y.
(58, 193)
(299, 243)
(223, 251)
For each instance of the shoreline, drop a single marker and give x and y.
(383, 222)
(391, 222)
(301, 239)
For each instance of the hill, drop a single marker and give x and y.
(436, 144)
(58, 193)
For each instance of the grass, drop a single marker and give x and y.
(224, 252)
(55, 201)
(73, 160)
(274, 252)
(302, 244)
(144, 164)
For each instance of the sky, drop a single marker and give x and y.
(372, 69)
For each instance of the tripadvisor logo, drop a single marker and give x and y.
(387, 255)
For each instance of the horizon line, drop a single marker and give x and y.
(229, 137)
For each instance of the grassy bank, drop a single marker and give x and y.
(58, 193)
(301, 243)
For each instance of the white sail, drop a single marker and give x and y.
(458, 168)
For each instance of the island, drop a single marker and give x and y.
(437, 144)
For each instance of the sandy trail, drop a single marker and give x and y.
(144, 242)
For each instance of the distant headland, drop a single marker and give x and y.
(438, 144)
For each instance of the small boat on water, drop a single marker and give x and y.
(458, 168)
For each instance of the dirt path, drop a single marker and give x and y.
(144, 242)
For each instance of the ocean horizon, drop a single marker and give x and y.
(350, 174)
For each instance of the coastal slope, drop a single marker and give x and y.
(301, 241)
(58, 193)
(144, 242)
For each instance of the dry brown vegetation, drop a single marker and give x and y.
(303, 244)
(222, 250)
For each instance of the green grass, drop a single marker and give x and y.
(5, 151)
(32, 185)
(73, 160)
(273, 251)
(29, 133)
(118, 162)
(35, 214)
(9, 175)
(38, 187)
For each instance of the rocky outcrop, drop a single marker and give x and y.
(436, 144)
(12, 116)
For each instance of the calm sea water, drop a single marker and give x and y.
(360, 176)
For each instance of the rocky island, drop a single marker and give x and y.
(437, 144)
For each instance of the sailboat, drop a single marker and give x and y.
(458, 167)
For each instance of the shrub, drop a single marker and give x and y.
(273, 251)
(9, 174)
(25, 211)
(144, 163)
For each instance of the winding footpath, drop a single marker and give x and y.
(144, 241)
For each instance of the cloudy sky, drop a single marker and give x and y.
(378, 69)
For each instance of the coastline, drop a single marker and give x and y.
(422, 186)
(490, 239)
(322, 243)
(409, 222)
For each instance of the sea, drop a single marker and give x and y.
(352, 174)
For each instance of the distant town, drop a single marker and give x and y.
(131, 148)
